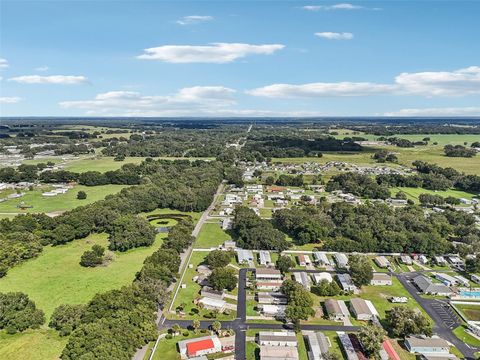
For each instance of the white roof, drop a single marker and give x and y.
(218, 303)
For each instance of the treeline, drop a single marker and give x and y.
(416, 128)
(116, 323)
(433, 177)
(181, 185)
(129, 174)
(284, 146)
(359, 185)
(377, 228)
(252, 232)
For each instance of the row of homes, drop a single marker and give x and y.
(361, 309)
(275, 345)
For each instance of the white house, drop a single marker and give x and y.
(317, 277)
(381, 279)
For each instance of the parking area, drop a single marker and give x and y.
(445, 313)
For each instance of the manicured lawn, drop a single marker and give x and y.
(252, 351)
(466, 337)
(167, 348)
(56, 278)
(414, 193)
(32, 345)
(60, 202)
(211, 235)
(192, 291)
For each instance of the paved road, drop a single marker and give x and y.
(444, 319)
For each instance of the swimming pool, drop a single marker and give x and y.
(470, 294)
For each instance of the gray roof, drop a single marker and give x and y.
(426, 342)
(318, 342)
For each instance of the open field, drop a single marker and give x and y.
(471, 312)
(414, 193)
(56, 278)
(32, 345)
(61, 202)
(466, 337)
(211, 235)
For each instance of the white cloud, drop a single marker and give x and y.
(194, 19)
(42, 68)
(320, 90)
(342, 6)
(335, 35)
(9, 99)
(191, 98)
(212, 53)
(443, 83)
(3, 63)
(460, 82)
(447, 111)
(52, 79)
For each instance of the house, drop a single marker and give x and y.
(346, 282)
(204, 270)
(334, 310)
(307, 260)
(446, 279)
(362, 309)
(423, 259)
(341, 260)
(318, 344)
(462, 281)
(382, 262)
(278, 352)
(348, 348)
(317, 277)
(425, 345)
(321, 258)
(302, 278)
(264, 258)
(276, 311)
(229, 245)
(455, 260)
(426, 286)
(475, 278)
(381, 279)
(301, 260)
(199, 346)
(227, 224)
(277, 338)
(244, 256)
(267, 274)
(213, 304)
(405, 259)
(211, 293)
(271, 298)
(440, 260)
(269, 285)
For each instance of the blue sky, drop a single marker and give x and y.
(239, 58)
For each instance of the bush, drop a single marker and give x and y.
(19, 313)
(94, 257)
(81, 195)
(66, 318)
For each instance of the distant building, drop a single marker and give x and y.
(264, 258)
(341, 260)
(428, 287)
(267, 274)
(278, 353)
(317, 277)
(382, 262)
(347, 346)
(199, 346)
(362, 309)
(399, 299)
(424, 345)
(301, 260)
(244, 256)
(405, 259)
(475, 278)
(423, 259)
(446, 279)
(302, 278)
(229, 245)
(440, 260)
(346, 282)
(381, 279)
(213, 304)
(462, 280)
(211, 293)
(276, 311)
(334, 310)
(271, 298)
(277, 338)
(318, 344)
(269, 285)
(321, 258)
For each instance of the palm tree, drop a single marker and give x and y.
(176, 329)
(216, 326)
(195, 325)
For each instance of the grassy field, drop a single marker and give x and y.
(414, 193)
(32, 345)
(211, 235)
(60, 202)
(167, 348)
(56, 278)
(466, 337)
(471, 312)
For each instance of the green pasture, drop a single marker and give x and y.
(37, 344)
(414, 193)
(211, 235)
